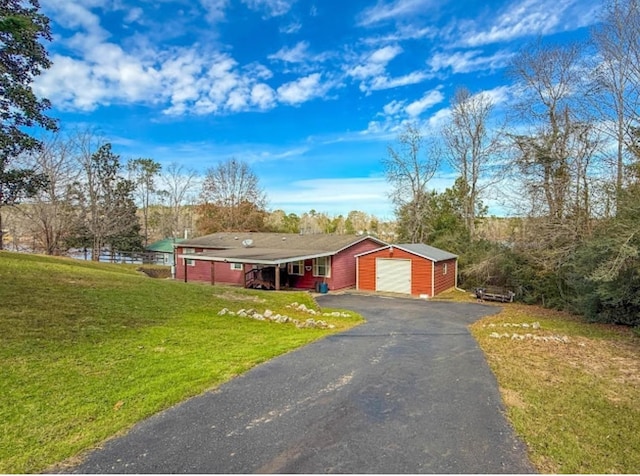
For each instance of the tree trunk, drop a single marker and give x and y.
(1, 232)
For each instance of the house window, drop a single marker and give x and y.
(187, 251)
(444, 269)
(236, 266)
(322, 267)
(296, 268)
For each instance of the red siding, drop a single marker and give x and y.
(422, 272)
(343, 269)
(201, 271)
(445, 281)
(224, 274)
(307, 281)
(367, 271)
(343, 265)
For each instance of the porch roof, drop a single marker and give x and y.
(266, 256)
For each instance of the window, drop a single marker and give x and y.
(187, 251)
(236, 266)
(322, 267)
(444, 268)
(297, 268)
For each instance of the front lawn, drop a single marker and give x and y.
(88, 349)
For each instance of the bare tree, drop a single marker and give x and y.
(617, 78)
(472, 148)
(233, 198)
(49, 211)
(409, 167)
(552, 156)
(177, 185)
(143, 173)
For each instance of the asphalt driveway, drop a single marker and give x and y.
(407, 392)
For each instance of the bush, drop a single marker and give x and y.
(161, 272)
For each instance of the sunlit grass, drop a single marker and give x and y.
(87, 350)
(575, 404)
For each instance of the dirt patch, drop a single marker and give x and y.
(512, 398)
(239, 297)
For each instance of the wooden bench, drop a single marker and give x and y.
(499, 295)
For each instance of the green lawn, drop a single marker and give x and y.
(576, 403)
(88, 349)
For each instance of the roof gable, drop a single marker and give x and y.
(425, 251)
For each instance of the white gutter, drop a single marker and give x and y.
(200, 257)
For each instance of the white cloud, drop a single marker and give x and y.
(375, 63)
(134, 15)
(428, 100)
(274, 8)
(384, 82)
(215, 9)
(75, 15)
(371, 70)
(439, 119)
(393, 108)
(469, 61)
(183, 80)
(499, 95)
(263, 96)
(392, 10)
(384, 55)
(402, 33)
(291, 28)
(297, 54)
(302, 89)
(530, 18)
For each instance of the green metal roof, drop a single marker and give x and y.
(164, 246)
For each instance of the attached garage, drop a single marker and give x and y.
(414, 269)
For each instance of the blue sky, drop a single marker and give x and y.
(308, 92)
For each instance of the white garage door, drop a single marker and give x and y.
(393, 275)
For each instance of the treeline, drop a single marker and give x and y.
(90, 198)
(564, 158)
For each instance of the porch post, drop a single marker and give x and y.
(213, 272)
(277, 277)
(184, 265)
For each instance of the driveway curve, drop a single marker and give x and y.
(409, 391)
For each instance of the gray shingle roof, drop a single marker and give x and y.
(310, 244)
(426, 251)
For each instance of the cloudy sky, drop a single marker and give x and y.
(308, 92)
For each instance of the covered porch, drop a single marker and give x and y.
(261, 268)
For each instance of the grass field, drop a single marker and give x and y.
(88, 349)
(571, 389)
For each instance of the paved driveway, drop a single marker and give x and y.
(407, 392)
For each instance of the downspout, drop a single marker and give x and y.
(456, 286)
